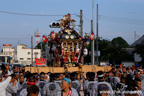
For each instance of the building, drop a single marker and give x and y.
(7, 53)
(140, 41)
(7, 49)
(22, 55)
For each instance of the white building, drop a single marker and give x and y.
(8, 50)
(7, 53)
(22, 55)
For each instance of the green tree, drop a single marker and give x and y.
(119, 42)
(112, 51)
(116, 51)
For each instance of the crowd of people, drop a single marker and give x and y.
(119, 81)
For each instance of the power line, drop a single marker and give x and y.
(86, 19)
(121, 20)
(25, 14)
(15, 38)
(118, 20)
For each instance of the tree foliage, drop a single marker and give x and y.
(112, 51)
(119, 42)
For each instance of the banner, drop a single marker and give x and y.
(40, 61)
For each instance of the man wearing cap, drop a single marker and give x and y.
(66, 88)
(101, 82)
(3, 85)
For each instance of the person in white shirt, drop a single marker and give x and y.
(20, 84)
(3, 85)
(12, 87)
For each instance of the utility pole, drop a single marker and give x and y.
(92, 45)
(32, 50)
(92, 31)
(41, 49)
(97, 57)
(81, 29)
(81, 23)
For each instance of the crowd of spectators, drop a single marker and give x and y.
(119, 81)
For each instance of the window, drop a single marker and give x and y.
(29, 53)
(35, 53)
(21, 58)
(28, 58)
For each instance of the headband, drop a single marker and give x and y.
(31, 83)
(67, 80)
(100, 75)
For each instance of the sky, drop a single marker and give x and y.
(116, 18)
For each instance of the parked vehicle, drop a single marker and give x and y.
(18, 65)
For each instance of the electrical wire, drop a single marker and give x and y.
(15, 38)
(121, 20)
(101, 17)
(7, 12)
(118, 20)
(86, 19)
